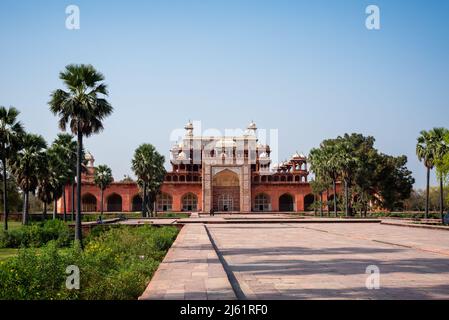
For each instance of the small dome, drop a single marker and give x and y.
(182, 156)
(263, 155)
(88, 156)
(252, 126)
(296, 155)
(189, 126)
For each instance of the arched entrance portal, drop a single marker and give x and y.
(226, 191)
(88, 203)
(286, 203)
(114, 203)
(262, 202)
(137, 203)
(225, 202)
(189, 202)
(308, 202)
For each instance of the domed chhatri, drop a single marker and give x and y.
(196, 180)
(252, 126)
(89, 159)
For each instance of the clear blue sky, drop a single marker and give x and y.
(308, 68)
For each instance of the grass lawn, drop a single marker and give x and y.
(172, 215)
(7, 253)
(12, 225)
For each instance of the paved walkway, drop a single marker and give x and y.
(191, 270)
(304, 261)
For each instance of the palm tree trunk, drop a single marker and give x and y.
(55, 208)
(25, 208)
(64, 204)
(73, 202)
(5, 195)
(44, 212)
(441, 199)
(78, 230)
(426, 214)
(327, 202)
(101, 205)
(334, 184)
(314, 207)
(321, 204)
(152, 206)
(346, 199)
(144, 199)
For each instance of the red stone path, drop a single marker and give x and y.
(303, 261)
(191, 270)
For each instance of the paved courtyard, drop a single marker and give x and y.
(312, 261)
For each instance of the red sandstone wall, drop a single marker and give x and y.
(177, 190)
(126, 190)
(274, 191)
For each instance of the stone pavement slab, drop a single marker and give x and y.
(191, 270)
(329, 261)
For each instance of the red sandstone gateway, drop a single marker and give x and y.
(228, 174)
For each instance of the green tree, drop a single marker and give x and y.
(14, 199)
(11, 131)
(394, 181)
(26, 165)
(148, 166)
(318, 186)
(367, 175)
(102, 179)
(347, 163)
(324, 162)
(83, 108)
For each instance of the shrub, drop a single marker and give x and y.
(117, 264)
(36, 235)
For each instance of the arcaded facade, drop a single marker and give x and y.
(226, 173)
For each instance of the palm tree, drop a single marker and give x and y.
(11, 131)
(82, 107)
(44, 189)
(148, 166)
(329, 162)
(64, 149)
(441, 149)
(427, 152)
(103, 178)
(347, 163)
(26, 165)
